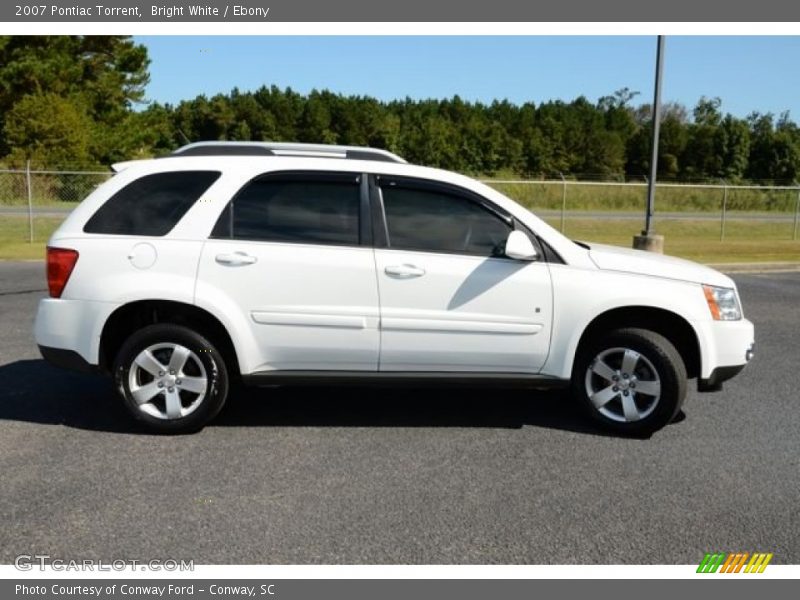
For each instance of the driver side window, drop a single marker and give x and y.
(437, 221)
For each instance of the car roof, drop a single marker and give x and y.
(253, 164)
(222, 148)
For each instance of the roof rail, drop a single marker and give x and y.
(285, 149)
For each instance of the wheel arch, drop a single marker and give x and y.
(671, 325)
(132, 316)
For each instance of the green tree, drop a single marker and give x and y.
(93, 85)
(774, 150)
(247, 110)
(673, 138)
(105, 76)
(48, 130)
(700, 159)
(732, 145)
(316, 119)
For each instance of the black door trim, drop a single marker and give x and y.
(406, 378)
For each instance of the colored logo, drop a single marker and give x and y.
(743, 562)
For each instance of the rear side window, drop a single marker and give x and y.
(152, 205)
(304, 209)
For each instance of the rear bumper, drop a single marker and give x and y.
(66, 359)
(71, 325)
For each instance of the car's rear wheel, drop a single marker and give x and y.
(171, 378)
(630, 380)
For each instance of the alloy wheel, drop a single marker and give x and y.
(167, 381)
(623, 385)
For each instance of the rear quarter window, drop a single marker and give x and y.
(151, 205)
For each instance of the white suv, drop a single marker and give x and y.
(281, 263)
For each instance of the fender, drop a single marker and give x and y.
(571, 299)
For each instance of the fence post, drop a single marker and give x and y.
(30, 198)
(563, 200)
(796, 214)
(724, 210)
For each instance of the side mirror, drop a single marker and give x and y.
(520, 247)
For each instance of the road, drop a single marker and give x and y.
(399, 476)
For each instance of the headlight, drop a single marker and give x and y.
(723, 303)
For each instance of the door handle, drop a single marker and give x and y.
(235, 259)
(404, 271)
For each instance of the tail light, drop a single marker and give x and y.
(60, 262)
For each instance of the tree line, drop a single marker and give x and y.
(68, 101)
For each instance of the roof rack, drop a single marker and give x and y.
(285, 149)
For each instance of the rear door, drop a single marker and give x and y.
(450, 300)
(292, 253)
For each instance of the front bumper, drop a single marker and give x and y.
(718, 377)
(721, 374)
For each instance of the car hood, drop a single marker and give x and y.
(626, 260)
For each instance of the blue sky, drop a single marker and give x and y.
(748, 73)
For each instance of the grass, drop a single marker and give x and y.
(696, 240)
(14, 236)
(39, 205)
(668, 199)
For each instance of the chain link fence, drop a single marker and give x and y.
(565, 203)
(48, 188)
(42, 196)
(564, 200)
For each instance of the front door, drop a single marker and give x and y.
(450, 301)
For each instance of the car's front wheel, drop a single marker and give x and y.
(630, 380)
(171, 378)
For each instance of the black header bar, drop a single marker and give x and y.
(406, 10)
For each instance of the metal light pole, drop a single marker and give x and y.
(563, 199)
(649, 240)
(30, 198)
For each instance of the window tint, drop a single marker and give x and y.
(418, 219)
(151, 205)
(308, 210)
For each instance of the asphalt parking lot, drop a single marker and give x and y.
(399, 476)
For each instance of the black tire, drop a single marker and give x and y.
(215, 373)
(662, 357)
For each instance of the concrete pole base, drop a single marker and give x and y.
(651, 242)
